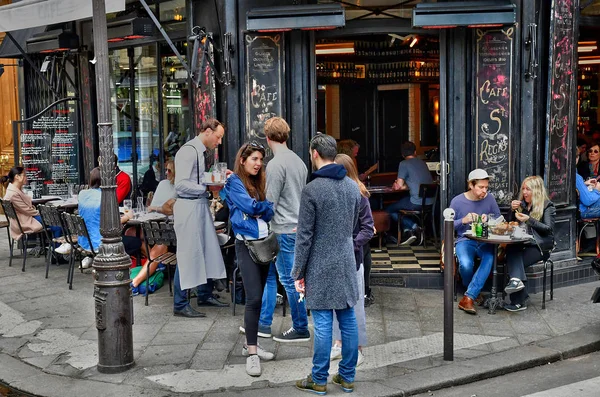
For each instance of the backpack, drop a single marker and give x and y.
(156, 280)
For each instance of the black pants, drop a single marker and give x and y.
(254, 277)
(519, 257)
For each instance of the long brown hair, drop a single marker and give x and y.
(255, 184)
(346, 161)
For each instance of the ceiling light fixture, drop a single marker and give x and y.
(413, 42)
(587, 48)
(334, 48)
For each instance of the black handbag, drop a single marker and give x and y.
(264, 251)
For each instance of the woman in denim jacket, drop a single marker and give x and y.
(249, 213)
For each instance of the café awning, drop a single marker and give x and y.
(464, 13)
(33, 13)
(304, 16)
(8, 48)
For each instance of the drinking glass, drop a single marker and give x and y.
(140, 204)
(222, 168)
(491, 219)
(127, 205)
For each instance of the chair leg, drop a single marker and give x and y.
(72, 274)
(147, 282)
(544, 286)
(24, 242)
(551, 279)
(399, 236)
(11, 245)
(48, 259)
(170, 281)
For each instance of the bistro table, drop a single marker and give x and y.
(67, 205)
(381, 190)
(494, 301)
(44, 199)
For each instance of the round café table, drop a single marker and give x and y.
(494, 301)
(44, 199)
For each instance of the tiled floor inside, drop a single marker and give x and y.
(405, 259)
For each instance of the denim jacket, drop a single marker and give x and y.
(244, 209)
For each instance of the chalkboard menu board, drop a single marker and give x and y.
(264, 88)
(493, 107)
(50, 150)
(561, 101)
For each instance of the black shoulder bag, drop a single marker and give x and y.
(263, 251)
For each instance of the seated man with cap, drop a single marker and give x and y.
(468, 207)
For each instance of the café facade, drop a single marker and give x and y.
(490, 84)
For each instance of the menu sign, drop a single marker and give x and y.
(50, 150)
(493, 107)
(561, 104)
(264, 73)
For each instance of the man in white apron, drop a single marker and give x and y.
(198, 253)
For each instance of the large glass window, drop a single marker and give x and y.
(135, 110)
(176, 110)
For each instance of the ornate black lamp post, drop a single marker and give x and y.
(112, 293)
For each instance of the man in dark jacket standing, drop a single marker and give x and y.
(329, 209)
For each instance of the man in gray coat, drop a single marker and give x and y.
(329, 209)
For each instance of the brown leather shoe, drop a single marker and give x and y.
(466, 304)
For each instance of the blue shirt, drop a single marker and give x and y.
(586, 198)
(89, 210)
(414, 172)
(463, 206)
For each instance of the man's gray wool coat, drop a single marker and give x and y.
(324, 254)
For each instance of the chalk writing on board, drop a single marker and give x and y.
(264, 56)
(560, 114)
(50, 149)
(493, 109)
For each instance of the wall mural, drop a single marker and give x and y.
(264, 73)
(561, 104)
(493, 108)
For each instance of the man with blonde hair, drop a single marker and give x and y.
(286, 177)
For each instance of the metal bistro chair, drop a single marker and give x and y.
(51, 217)
(75, 227)
(160, 233)
(6, 224)
(426, 191)
(11, 215)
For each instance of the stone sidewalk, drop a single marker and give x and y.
(48, 342)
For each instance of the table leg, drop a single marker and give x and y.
(381, 201)
(494, 301)
(138, 255)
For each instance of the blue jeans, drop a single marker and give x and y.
(466, 252)
(408, 222)
(323, 322)
(204, 291)
(284, 265)
(269, 298)
(56, 230)
(180, 298)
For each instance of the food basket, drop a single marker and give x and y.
(503, 229)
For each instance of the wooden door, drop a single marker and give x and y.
(357, 122)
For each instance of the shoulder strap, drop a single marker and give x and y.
(197, 161)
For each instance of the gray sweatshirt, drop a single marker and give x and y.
(286, 177)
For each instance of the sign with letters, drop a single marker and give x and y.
(264, 74)
(561, 105)
(31, 13)
(493, 108)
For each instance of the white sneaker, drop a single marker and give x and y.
(87, 262)
(336, 352)
(65, 248)
(253, 365)
(260, 352)
(361, 358)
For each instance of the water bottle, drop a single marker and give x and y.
(479, 228)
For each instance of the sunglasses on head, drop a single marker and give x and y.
(255, 144)
(593, 151)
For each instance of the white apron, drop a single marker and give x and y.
(198, 252)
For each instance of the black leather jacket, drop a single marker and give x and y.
(542, 230)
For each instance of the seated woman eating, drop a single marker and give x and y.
(536, 211)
